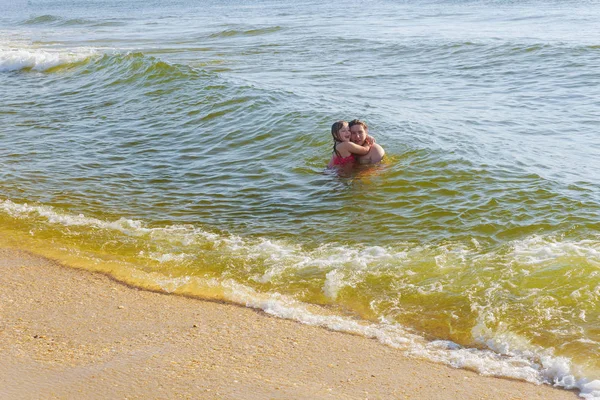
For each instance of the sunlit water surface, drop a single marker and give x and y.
(182, 146)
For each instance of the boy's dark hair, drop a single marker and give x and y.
(358, 122)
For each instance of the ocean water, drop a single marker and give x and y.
(181, 146)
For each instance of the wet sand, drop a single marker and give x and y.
(72, 334)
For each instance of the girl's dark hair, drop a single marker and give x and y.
(335, 128)
(358, 122)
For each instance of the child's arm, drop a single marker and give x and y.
(356, 149)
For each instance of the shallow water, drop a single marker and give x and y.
(182, 147)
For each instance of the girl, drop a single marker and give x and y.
(343, 149)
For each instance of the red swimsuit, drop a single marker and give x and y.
(339, 160)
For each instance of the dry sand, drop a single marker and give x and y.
(73, 334)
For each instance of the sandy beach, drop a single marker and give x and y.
(68, 333)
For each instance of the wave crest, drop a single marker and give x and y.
(32, 59)
(42, 19)
(246, 32)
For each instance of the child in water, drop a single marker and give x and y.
(343, 149)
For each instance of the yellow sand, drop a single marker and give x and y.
(72, 334)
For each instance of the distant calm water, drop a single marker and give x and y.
(181, 146)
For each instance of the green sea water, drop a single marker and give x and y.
(182, 147)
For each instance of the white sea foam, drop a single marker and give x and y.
(334, 281)
(537, 249)
(276, 256)
(15, 56)
(165, 257)
(179, 233)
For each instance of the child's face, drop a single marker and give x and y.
(344, 133)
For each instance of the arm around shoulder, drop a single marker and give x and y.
(356, 149)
